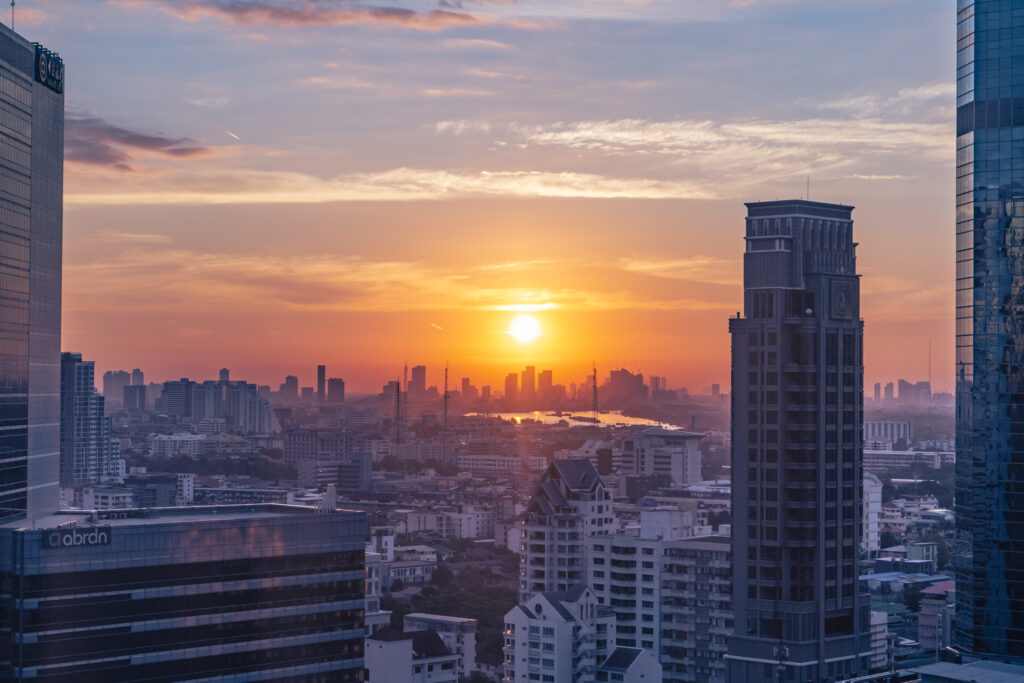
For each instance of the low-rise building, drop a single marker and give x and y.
(458, 634)
(629, 665)
(419, 657)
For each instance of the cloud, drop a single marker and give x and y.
(708, 269)
(209, 102)
(305, 13)
(737, 155)
(475, 44)
(203, 186)
(92, 140)
(200, 282)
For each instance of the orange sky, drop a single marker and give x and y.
(267, 189)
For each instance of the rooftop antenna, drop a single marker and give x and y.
(808, 188)
(12, 15)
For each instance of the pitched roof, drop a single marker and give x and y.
(579, 475)
(621, 658)
(428, 644)
(390, 634)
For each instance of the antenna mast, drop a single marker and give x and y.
(444, 428)
(12, 15)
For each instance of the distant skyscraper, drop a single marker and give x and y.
(335, 390)
(114, 382)
(544, 384)
(225, 375)
(796, 449)
(85, 455)
(990, 329)
(878, 392)
(138, 378)
(290, 388)
(417, 387)
(135, 398)
(511, 386)
(890, 391)
(528, 385)
(31, 216)
(321, 383)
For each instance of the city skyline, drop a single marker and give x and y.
(595, 208)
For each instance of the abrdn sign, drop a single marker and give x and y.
(77, 538)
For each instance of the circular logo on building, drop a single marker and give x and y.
(44, 69)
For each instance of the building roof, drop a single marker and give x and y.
(975, 672)
(424, 643)
(670, 433)
(941, 588)
(578, 475)
(621, 659)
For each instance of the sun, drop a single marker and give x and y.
(525, 329)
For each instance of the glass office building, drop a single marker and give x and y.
(219, 593)
(990, 327)
(31, 173)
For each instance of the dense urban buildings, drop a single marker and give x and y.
(257, 593)
(31, 213)
(797, 413)
(990, 331)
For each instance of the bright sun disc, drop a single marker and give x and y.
(525, 329)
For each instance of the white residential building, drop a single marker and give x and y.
(382, 541)
(557, 637)
(569, 505)
(673, 453)
(420, 657)
(887, 433)
(458, 634)
(870, 538)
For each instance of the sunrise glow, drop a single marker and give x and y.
(525, 329)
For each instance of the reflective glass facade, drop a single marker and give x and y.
(31, 172)
(990, 327)
(797, 416)
(229, 593)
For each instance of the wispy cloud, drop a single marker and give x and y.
(306, 13)
(708, 269)
(92, 140)
(205, 282)
(202, 186)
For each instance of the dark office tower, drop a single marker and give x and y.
(335, 390)
(176, 399)
(135, 398)
(85, 455)
(138, 378)
(321, 383)
(32, 162)
(797, 411)
(417, 386)
(990, 329)
(238, 592)
(225, 375)
(528, 386)
(878, 392)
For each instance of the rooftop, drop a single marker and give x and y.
(975, 672)
(621, 658)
